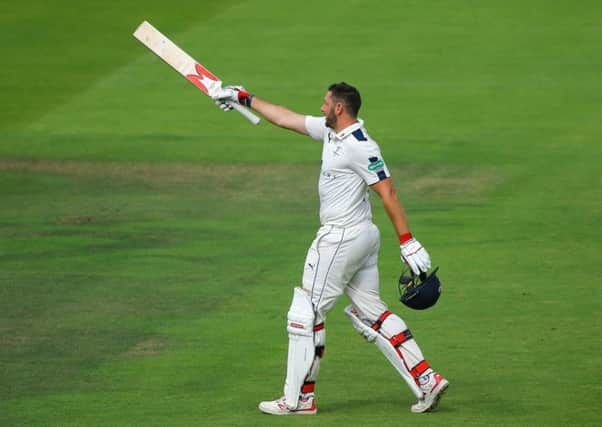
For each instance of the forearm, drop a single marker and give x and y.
(395, 212)
(392, 205)
(412, 251)
(279, 115)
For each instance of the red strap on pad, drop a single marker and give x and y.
(379, 322)
(420, 369)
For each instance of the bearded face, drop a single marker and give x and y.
(328, 109)
(331, 119)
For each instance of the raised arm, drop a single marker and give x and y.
(279, 115)
(275, 114)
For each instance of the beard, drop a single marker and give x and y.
(331, 119)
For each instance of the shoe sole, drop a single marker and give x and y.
(438, 398)
(301, 412)
(435, 400)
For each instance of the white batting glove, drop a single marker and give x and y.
(413, 254)
(230, 94)
(224, 105)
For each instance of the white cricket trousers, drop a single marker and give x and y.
(344, 260)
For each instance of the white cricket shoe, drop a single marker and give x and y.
(306, 406)
(433, 390)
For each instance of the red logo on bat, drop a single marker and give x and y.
(202, 74)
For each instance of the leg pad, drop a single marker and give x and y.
(301, 347)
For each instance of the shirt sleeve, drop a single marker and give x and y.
(316, 127)
(367, 162)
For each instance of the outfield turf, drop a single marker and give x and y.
(149, 243)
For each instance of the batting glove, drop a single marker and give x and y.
(224, 105)
(233, 94)
(413, 254)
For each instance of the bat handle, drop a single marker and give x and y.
(246, 113)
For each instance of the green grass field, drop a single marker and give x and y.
(149, 243)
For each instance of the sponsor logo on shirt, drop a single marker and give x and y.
(375, 164)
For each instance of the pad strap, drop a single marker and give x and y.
(420, 369)
(320, 351)
(308, 387)
(319, 348)
(399, 339)
(379, 322)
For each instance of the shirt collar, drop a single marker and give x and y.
(349, 129)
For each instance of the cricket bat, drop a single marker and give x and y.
(184, 64)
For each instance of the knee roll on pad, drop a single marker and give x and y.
(359, 325)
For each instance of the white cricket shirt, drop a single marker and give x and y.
(351, 162)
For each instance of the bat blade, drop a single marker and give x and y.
(184, 64)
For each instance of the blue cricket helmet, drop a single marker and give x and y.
(419, 291)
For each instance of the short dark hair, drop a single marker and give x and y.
(348, 95)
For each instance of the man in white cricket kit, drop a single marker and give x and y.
(343, 256)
